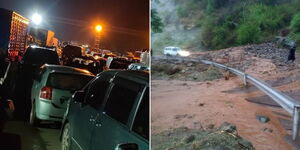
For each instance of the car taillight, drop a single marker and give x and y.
(46, 93)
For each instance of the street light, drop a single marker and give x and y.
(36, 19)
(98, 28)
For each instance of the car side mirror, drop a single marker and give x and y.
(78, 96)
(127, 146)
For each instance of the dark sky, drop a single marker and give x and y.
(125, 22)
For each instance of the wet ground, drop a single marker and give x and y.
(204, 104)
(19, 134)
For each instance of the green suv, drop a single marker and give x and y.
(111, 112)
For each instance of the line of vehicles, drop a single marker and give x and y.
(109, 110)
(101, 99)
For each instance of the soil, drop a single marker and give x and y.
(202, 104)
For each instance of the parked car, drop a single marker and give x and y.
(171, 51)
(69, 52)
(33, 59)
(111, 112)
(52, 88)
(138, 66)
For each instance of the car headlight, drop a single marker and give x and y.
(184, 53)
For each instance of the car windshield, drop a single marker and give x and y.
(175, 49)
(40, 56)
(66, 81)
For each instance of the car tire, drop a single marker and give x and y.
(33, 120)
(66, 139)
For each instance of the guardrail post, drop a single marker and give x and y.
(296, 121)
(245, 79)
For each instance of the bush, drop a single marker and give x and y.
(223, 37)
(156, 23)
(208, 32)
(248, 33)
(295, 23)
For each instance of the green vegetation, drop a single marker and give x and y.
(156, 23)
(295, 27)
(227, 23)
(244, 22)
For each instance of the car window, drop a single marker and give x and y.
(141, 121)
(97, 91)
(69, 82)
(121, 100)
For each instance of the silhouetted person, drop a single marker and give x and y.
(292, 47)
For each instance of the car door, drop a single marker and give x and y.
(140, 124)
(113, 125)
(85, 116)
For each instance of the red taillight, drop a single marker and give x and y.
(46, 93)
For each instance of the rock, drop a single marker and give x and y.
(267, 130)
(188, 139)
(201, 104)
(230, 128)
(210, 126)
(173, 69)
(245, 143)
(190, 64)
(262, 119)
(184, 84)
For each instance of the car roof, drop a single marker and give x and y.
(43, 48)
(171, 47)
(66, 69)
(138, 76)
(139, 64)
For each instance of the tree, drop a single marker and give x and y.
(156, 23)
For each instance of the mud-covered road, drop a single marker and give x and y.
(184, 94)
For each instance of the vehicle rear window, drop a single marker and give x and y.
(40, 56)
(65, 81)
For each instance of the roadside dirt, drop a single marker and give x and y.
(203, 104)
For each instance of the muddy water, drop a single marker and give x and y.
(199, 104)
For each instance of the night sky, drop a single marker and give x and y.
(125, 22)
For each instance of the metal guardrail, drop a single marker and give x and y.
(286, 102)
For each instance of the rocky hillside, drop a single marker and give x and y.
(216, 24)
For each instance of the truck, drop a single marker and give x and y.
(42, 37)
(13, 37)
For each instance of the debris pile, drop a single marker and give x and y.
(223, 138)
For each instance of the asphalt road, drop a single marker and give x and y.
(20, 134)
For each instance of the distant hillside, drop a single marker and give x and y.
(215, 24)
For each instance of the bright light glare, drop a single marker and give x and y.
(34, 46)
(184, 53)
(98, 28)
(36, 19)
(96, 57)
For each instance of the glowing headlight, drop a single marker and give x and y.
(96, 57)
(184, 53)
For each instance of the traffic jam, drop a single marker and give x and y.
(68, 94)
